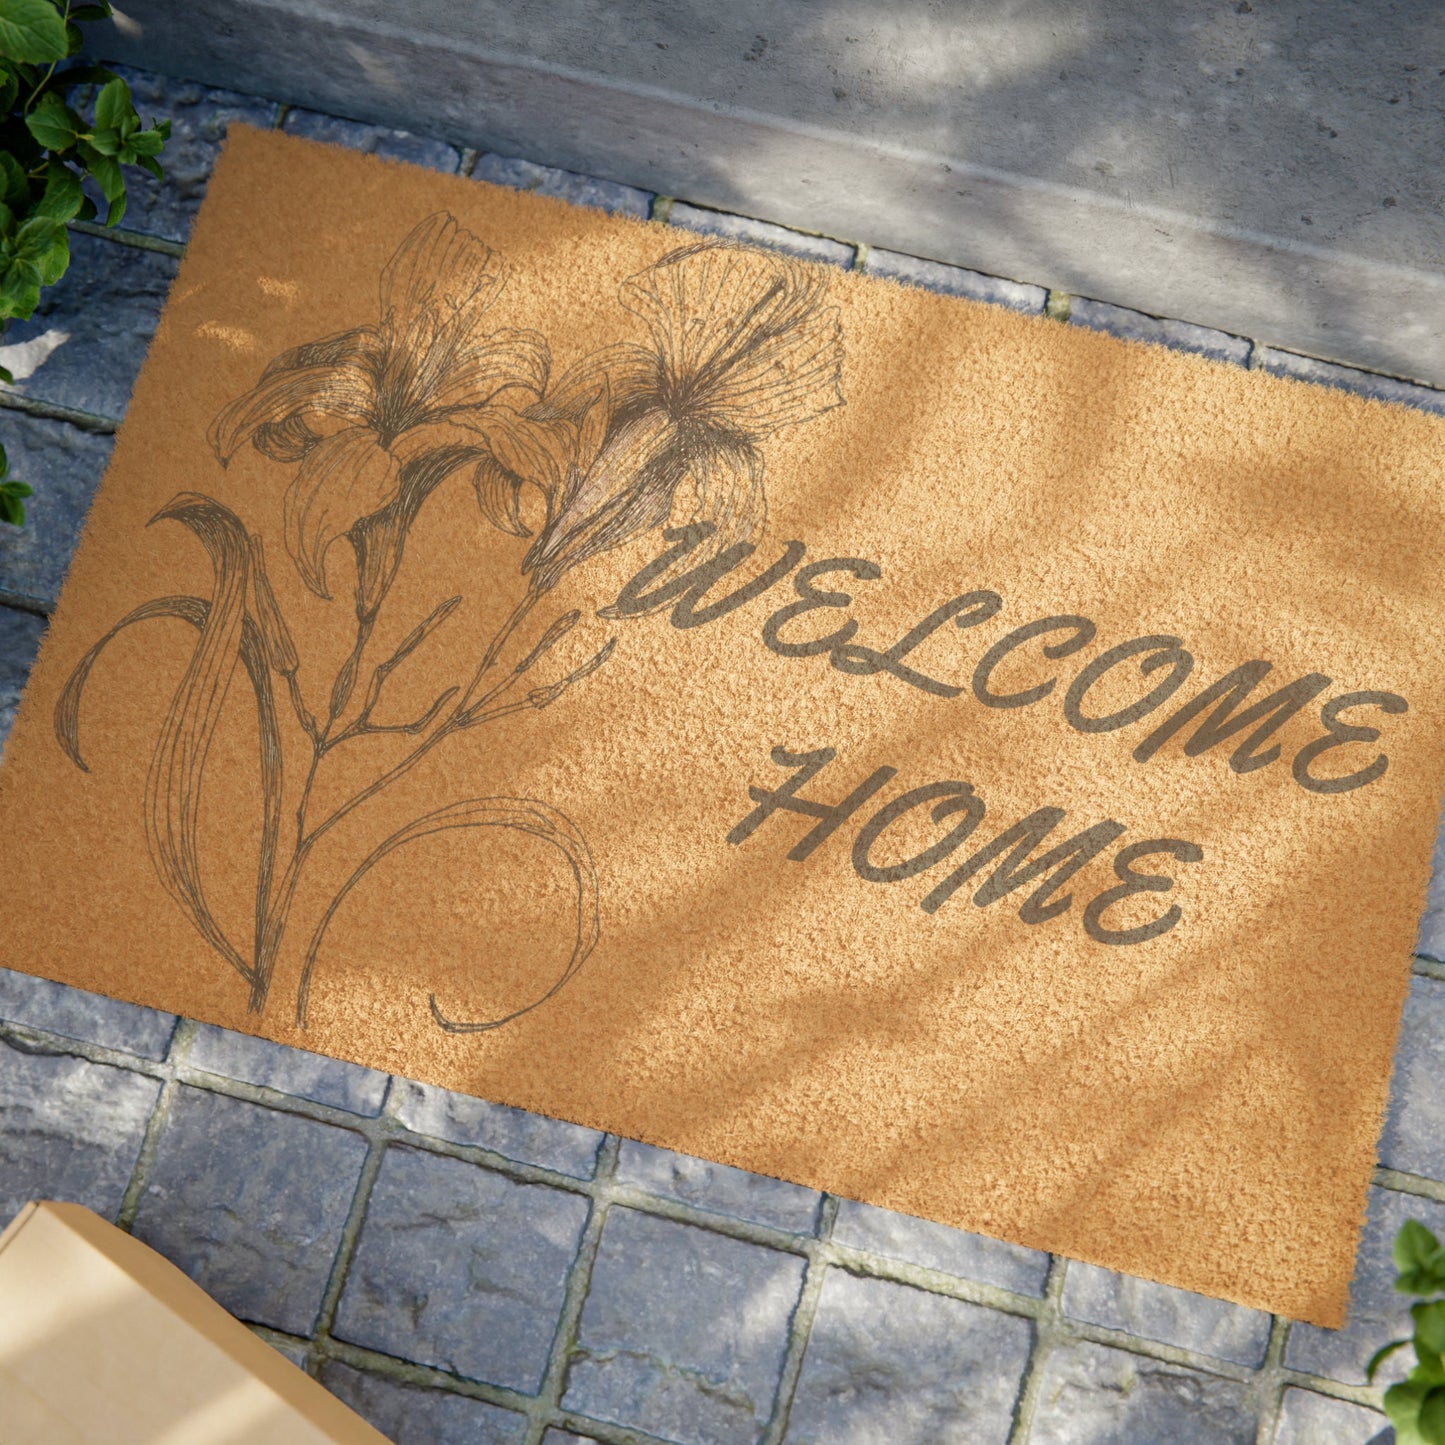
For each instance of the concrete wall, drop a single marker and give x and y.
(1269, 167)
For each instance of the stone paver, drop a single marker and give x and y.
(375, 140)
(684, 1331)
(461, 1268)
(250, 1203)
(513, 1133)
(566, 1437)
(290, 1071)
(20, 634)
(69, 1130)
(92, 1017)
(199, 117)
(1093, 1395)
(1378, 1313)
(410, 1415)
(717, 1187)
(85, 343)
(64, 465)
(522, 175)
(761, 233)
(936, 1246)
(1178, 335)
(1172, 1316)
(1347, 378)
(886, 1362)
(1414, 1135)
(1306, 1418)
(954, 280)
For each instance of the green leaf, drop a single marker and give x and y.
(31, 30)
(74, 40)
(8, 377)
(1414, 1245)
(12, 510)
(87, 210)
(1402, 1405)
(1430, 1325)
(19, 289)
(147, 142)
(63, 196)
(49, 248)
(106, 142)
(86, 13)
(151, 164)
(4, 462)
(9, 90)
(7, 223)
(17, 489)
(14, 185)
(112, 105)
(53, 123)
(1432, 1417)
(1380, 1356)
(107, 174)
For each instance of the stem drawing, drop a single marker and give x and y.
(372, 421)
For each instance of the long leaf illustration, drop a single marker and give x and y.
(525, 814)
(195, 611)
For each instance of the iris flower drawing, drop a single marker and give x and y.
(667, 428)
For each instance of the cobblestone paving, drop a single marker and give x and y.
(466, 1274)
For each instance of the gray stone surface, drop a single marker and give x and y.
(761, 233)
(936, 1246)
(374, 140)
(69, 1129)
(523, 175)
(717, 1187)
(288, 1350)
(1179, 335)
(889, 1363)
(461, 1268)
(410, 1415)
(1266, 169)
(683, 1333)
(20, 634)
(1362, 383)
(85, 343)
(75, 1014)
(1306, 1418)
(566, 1437)
(64, 465)
(250, 1203)
(1430, 941)
(1092, 1395)
(291, 1071)
(1414, 1135)
(199, 118)
(954, 280)
(514, 1133)
(1377, 1312)
(1159, 1312)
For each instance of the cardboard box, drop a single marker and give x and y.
(103, 1342)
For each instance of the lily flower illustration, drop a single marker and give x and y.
(365, 412)
(740, 349)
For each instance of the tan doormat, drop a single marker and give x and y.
(931, 754)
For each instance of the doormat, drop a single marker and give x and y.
(935, 755)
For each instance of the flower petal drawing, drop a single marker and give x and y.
(344, 478)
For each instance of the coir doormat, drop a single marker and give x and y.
(935, 755)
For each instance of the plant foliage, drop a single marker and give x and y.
(48, 149)
(1416, 1406)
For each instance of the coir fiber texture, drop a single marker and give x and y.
(931, 754)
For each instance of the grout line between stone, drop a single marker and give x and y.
(1046, 1326)
(1403, 1183)
(1058, 305)
(1427, 967)
(1269, 1387)
(48, 411)
(180, 1046)
(468, 157)
(661, 209)
(548, 1404)
(123, 236)
(800, 1327)
(19, 602)
(346, 1245)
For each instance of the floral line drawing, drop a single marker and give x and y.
(634, 438)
